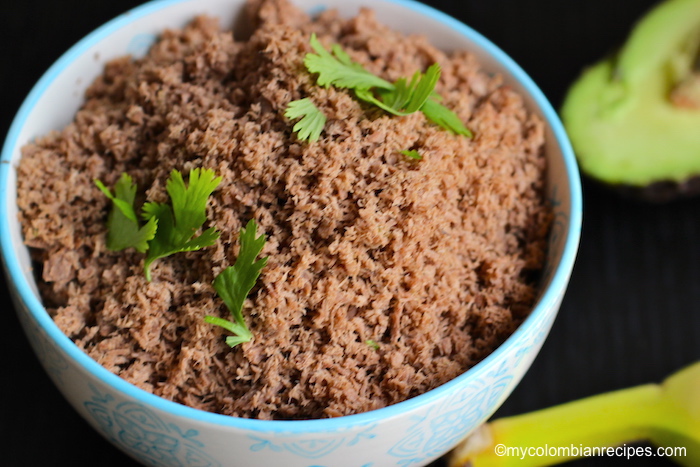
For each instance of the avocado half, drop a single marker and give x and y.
(634, 118)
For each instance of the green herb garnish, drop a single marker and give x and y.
(167, 230)
(444, 117)
(234, 284)
(312, 119)
(412, 154)
(123, 229)
(372, 343)
(402, 97)
(178, 224)
(405, 97)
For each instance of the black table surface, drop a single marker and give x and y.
(631, 314)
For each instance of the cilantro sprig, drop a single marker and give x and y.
(178, 223)
(402, 97)
(124, 230)
(234, 284)
(167, 229)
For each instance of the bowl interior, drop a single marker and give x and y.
(59, 93)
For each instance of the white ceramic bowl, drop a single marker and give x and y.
(162, 433)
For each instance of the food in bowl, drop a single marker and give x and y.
(387, 275)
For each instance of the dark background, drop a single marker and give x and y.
(631, 314)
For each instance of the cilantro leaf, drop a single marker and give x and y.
(122, 224)
(178, 224)
(407, 97)
(412, 154)
(444, 117)
(234, 284)
(339, 70)
(312, 119)
(372, 344)
(424, 87)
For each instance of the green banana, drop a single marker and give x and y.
(667, 415)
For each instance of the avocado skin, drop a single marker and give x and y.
(658, 192)
(626, 132)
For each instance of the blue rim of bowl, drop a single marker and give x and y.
(547, 300)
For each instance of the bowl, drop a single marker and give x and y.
(159, 432)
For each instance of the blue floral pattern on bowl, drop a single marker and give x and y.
(315, 447)
(557, 235)
(145, 436)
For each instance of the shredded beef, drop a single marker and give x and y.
(434, 260)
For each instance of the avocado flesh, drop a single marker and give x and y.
(623, 125)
